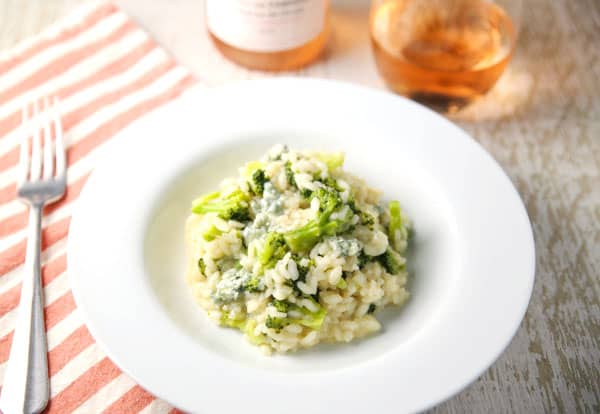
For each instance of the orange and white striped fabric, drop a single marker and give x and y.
(107, 73)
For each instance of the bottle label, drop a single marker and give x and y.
(265, 25)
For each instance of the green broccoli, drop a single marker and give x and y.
(274, 249)
(240, 214)
(312, 320)
(302, 272)
(233, 206)
(396, 229)
(202, 266)
(329, 199)
(212, 233)
(366, 219)
(305, 237)
(306, 194)
(333, 160)
(249, 331)
(251, 167)
(328, 182)
(363, 259)
(276, 323)
(258, 182)
(253, 285)
(245, 325)
(391, 262)
(227, 320)
(281, 305)
(205, 199)
(372, 308)
(289, 174)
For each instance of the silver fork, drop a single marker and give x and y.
(42, 180)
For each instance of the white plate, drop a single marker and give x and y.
(471, 267)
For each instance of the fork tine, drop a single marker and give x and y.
(36, 156)
(48, 146)
(24, 150)
(58, 139)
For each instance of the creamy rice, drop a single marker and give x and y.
(295, 251)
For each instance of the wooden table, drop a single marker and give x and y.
(541, 122)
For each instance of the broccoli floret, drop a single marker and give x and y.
(333, 160)
(240, 214)
(329, 199)
(212, 233)
(253, 285)
(306, 194)
(372, 308)
(276, 323)
(233, 206)
(281, 305)
(289, 174)
(258, 182)
(312, 320)
(302, 270)
(274, 249)
(330, 182)
(202, 266)
(363, 259)
(391, 262)
(352, 204)
(365, 218)
(305, 237)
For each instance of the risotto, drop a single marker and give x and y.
(296, 251)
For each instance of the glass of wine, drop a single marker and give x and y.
(444, 53)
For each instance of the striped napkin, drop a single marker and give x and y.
(107, 73)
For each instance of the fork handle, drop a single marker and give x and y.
(26, 386)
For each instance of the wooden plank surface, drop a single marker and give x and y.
(541, 122)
